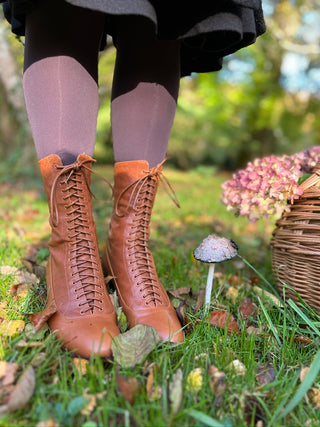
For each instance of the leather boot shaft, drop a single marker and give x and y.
(127, 256)
(85, 317)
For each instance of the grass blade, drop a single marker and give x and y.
(269, 322)
(303, 316)
(204, 419)
(303, 388)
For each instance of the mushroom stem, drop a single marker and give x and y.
(209, 287)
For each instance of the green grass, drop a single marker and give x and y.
(60, 393)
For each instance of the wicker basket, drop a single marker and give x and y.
(296, 245)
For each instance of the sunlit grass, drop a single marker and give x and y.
(61, 391)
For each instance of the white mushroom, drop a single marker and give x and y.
(214, 249)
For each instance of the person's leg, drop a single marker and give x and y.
(60, 83)
(60, 78)
(144, 94)
(144, 98)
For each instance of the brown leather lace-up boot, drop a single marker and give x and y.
(127, 257)
(85, 319)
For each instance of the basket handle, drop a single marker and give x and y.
(314, 179)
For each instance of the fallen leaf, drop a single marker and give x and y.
(251, 330)
(235, 280)
(153, 392)
(39, 359)
(200, 299)
(217, 383)
(91, 402)
(201, 356)
(223, 319)
(36, 335)
(177, 293)
(40, 318)
(266, 374)
(247, 308)
(194, 381)
(263, 292)
(80, 365)
(22, 392)
(302, 340)
(9, 328)
(133, 346)
(314, 396)
(182, 315)
(8, 372)
(232, 294)
(50, 422)
(303, 372)
(175, 391)
(19, 276)
(128, 387)
(32, 344)
(238, 367)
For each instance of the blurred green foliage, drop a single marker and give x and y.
(229, 117)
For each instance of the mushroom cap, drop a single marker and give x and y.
(215, 249)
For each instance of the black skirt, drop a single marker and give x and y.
(208, 29)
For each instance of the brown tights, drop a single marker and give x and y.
(61, 84)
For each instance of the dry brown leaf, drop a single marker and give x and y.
(235, 280)
(20, 291)
(302, 340)
(153, 392)
(22, 392)
(247, 308)
(251, 330)
(19, 275)
(232, 294)
(128, 387)
(266, 374)
(80, 365)
(314, 396)
(177, 293)
(32, 344)
(303, 372)
(40, 318)
(217, 383)
(175, 391)
(194, 381)
(9, 328)
(200, 299)
(8, 372)
(223, 319)
(182, 315)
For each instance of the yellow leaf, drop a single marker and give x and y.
(9, 328)
(194, 381)
(314, 396)
(153, 392)
(80, 365)
(232, 294)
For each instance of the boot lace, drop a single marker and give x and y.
(141, 200)
(83, 252)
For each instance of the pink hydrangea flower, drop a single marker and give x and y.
(266, 185)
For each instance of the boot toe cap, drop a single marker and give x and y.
(167, 325)
(84, 336)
